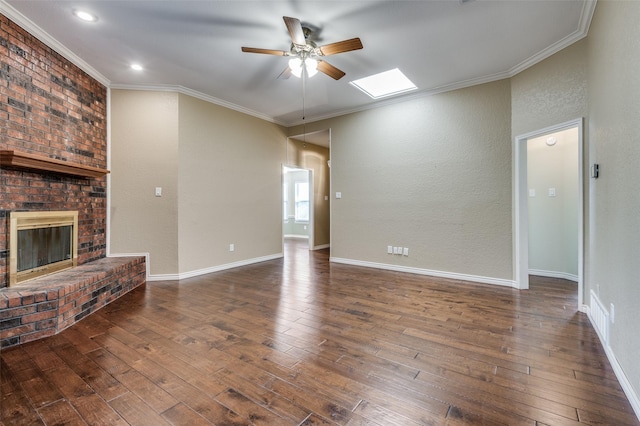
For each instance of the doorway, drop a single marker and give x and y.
(544, 195)
(297, 204)
(311, 152)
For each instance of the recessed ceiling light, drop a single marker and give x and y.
(383, 84)
(85, 16)
(136, 67)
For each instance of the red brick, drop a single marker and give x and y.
(17, 331)
(15, 301)
(37, 335)
(46, 324)
(39, 316)
(17, 312)
(62, 309)
(27, 299)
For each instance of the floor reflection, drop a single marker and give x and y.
(297, 312)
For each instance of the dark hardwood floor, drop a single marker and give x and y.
(302, 341)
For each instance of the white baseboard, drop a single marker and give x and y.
(296, 236)
(433, 273)
(554, 274)
(218, 268)
(321, 246)
(190, 274)
(632, 396)
(163, 277)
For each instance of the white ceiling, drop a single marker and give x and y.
(194, 46)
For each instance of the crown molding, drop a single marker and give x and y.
(195, 94)
(588, 8)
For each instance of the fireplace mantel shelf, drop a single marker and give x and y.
(24, 160)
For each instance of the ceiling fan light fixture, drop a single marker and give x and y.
(296, 66)
(85, 16)
(310, 65)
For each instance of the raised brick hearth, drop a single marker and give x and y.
(45, 306)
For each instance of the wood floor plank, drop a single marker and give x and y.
(36, 386)
(303, 341)
(256, 414)
(566, 393)
(15, 406)
(264, 397)
(181, 414)
(385, 416)
(96, 411)
(60, 413)
(135, 411)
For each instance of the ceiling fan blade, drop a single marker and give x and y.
(295, 30)
(330, 70)
(341, 46)
(285, 74)
(265, 51)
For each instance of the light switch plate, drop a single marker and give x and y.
(552, 192)
(338, 194)
(158, 191)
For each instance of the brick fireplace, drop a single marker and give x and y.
(51, 108)
(53, 157)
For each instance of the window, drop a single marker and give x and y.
(302, 201)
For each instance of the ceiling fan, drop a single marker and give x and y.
(306, 54)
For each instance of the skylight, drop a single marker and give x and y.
(384, 84)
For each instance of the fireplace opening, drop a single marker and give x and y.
(41, 243)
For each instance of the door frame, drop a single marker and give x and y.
(521, 213)
(310, 225)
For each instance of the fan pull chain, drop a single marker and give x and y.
(304, 93)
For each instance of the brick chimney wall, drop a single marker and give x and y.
(50, 107)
